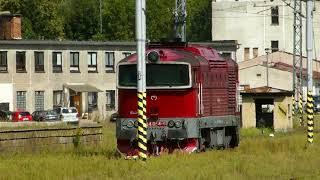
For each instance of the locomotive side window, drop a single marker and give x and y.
(158, 75)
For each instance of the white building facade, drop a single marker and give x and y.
(260, 24)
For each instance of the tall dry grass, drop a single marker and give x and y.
(284, 156)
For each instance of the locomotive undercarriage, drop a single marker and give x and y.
(194, 134)
(220, 137)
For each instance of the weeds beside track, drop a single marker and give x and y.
(259, 156)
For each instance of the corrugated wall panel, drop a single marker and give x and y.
(232, 92)
(219, 93)
(206, 101)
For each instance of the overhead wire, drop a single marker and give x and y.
(229, 9)
(233, 9)
(254, 13)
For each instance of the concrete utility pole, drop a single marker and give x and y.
(141, 78)
(310, 70)
(267, 65)
(180, 16)
(297, 59)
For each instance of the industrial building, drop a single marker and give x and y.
(258, 25)
(266, 81)
(36, 75)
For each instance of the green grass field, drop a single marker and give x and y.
(284, 156)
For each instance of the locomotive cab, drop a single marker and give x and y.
(176, 116)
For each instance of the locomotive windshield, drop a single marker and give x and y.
(158, 75)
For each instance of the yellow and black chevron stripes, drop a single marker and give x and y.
(142, 125)
(300, 109)
(293, 105)
(310, 117)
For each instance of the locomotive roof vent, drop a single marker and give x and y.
(153, 56)
(168, 43)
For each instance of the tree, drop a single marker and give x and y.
(10, 5)
(45, 18)
(160, 19)
(81, 19)
(119, 19)
(199, 20)
(40, 18)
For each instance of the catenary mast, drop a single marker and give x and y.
(297, 60)
(180, 16)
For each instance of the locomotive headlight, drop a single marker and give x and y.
(171, 124)
(153, 56)
(130, 124)
(178, 124)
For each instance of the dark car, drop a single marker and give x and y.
(114, 116)
(5, 115)
(48, 115)
(316, 104)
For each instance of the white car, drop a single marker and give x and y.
(69, 115)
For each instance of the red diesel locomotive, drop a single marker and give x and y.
(191, 100)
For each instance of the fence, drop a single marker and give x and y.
(51, 138)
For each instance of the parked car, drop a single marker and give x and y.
(21, 116)
(4, 116)
(114, 116)
(48, 115)
(316, 104)
(69, 115)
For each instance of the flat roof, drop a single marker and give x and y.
(101, 43)
(59, 43)
(265, 91)
(67, 45)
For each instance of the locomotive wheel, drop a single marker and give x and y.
(231, 137)
(205, 139)
(227, 141)
(201, 145)
(209, 139)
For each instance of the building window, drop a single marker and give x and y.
(92, 101)
(274, 46)
(3, 61)
(246, 53)
(57, 62)
(39, 61)
(74, 62)
(126, 54)
(21, 61)
(39, 100)
(255, 52)
(21, 100)
(110, 103)
(109, 62)
(92, 62)
(275, 15)
(57, 98)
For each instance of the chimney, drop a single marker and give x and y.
(10, 26)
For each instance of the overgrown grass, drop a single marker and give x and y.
(259, 156)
